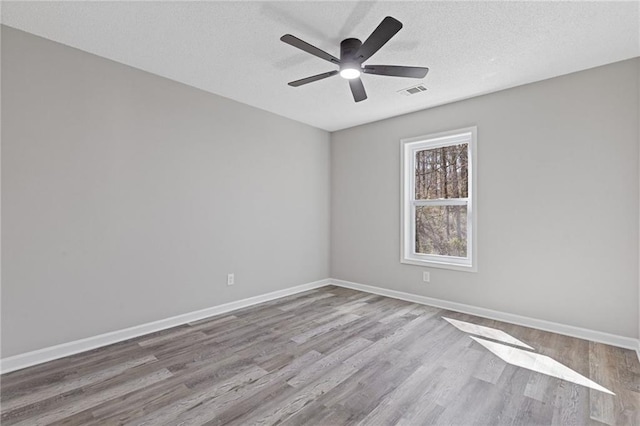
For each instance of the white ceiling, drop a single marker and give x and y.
(233, 48)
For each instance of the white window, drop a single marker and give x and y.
(438, 200)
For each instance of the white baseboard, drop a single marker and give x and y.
(567, 330)
(40, 356)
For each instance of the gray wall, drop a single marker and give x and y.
(557, 201)
(127, 198)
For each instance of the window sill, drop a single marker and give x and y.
(440, 265)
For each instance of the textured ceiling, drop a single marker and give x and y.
(233, 48)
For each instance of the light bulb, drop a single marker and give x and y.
(350, 73)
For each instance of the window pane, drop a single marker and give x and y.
(441, 230)
(442, 172)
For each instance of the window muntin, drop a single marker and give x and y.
(438, 214)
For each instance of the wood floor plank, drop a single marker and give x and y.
(462, 408)
(62, 364)
(394, 405)
(344, 319)
(281, 409)
(329, 356)
(304, 302)
(93, 400)
(233, 405)
(20, 382)
(601, 405)
(508, 402)
(384, 344)
(538, 387)
(398, 313)
(137, 404)
(327, 362)
(66, 386)
(423, 407)
(569, 406)
(377, 382)
(178, 408)
(490, 369)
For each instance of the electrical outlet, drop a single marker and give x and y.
(426, 276)
(231, 279)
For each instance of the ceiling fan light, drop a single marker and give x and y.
(350, 73)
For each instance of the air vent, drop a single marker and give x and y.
(413, 90)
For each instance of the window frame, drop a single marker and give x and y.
(408, 148)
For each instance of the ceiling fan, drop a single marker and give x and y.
(353, 53)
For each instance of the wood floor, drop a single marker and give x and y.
(330, 356)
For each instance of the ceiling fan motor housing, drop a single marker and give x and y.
(348, 49)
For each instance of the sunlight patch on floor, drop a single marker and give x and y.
(539, 363)
(488, 332)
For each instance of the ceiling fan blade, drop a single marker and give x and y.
(378, 38)
(303, 45)
(357, 89)
(396, 71)
(312, 78)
